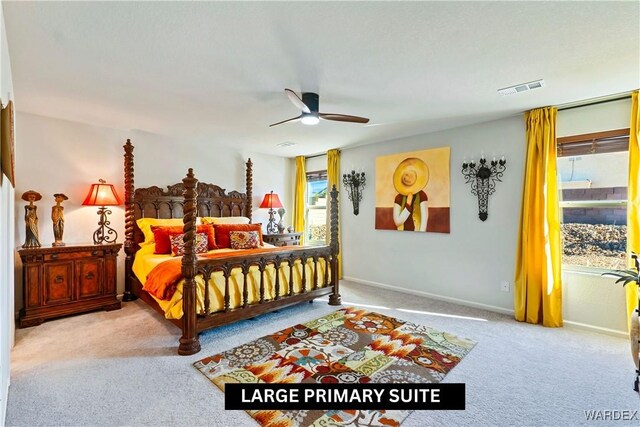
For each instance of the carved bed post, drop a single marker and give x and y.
(248, 207)
(189, 342)
(334, 298)
(128, 221)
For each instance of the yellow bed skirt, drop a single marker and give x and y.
(145, 261)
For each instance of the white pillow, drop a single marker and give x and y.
(225, 220)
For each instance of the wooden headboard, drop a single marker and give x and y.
(154, 202)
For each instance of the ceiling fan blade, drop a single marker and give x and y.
(343, 118)
(295, 99)
(288, 120)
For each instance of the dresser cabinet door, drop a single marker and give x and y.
(110, 276)
(58, 282)
(89, 277)
(32, 285)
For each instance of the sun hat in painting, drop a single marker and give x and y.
(411, 176)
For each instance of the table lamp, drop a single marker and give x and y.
(271, 201)
(103, 194)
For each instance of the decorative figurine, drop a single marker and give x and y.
(57, 216)
(290, 229)
(31, 219)
(281, 212)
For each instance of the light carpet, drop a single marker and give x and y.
(349, 346)
(121, 367)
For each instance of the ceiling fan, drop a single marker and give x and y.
(309, 111)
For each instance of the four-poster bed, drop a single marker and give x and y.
(245, 285)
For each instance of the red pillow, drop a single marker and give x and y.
(162, 236)
(222, 232)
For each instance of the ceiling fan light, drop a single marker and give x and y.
(310, 119)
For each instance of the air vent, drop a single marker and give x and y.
(523, 87)
(286, 144)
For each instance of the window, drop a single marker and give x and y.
(593, 171)
(316, 208)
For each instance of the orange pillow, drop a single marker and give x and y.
(222, 232)
(162, 236)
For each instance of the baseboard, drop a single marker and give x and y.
(495, 309)
(599, 329)
(458, 301)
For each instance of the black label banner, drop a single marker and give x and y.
(449, 396)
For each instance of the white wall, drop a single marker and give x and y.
(7, 254)
(467, 264)
(317, 163)
(594, 118)
(62, 156)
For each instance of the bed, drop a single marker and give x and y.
(220, 286)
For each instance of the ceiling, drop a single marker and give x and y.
(214, 72)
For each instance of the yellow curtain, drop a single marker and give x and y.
(633, 203)
(538, 283)
(333, 178)
(300, 196)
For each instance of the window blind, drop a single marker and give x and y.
(316, 176)
(594, 143)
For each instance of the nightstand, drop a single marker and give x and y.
(285, 239)
(63, 280)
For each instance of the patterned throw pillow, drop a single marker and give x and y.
(244, 239)
(222, 232)
(162, 236)
(177, 244)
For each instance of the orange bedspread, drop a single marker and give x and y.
(164, 278)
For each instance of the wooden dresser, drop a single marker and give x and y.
(285, 239)
(64, 280)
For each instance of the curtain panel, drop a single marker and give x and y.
(538, 282)
(333, 178)
(633, 203)
(300, 197)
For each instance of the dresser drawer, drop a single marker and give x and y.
(290, 240)
(287, 239)
(72, 255)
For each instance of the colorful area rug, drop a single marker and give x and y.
(350, 345)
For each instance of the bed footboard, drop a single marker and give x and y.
(194, 321)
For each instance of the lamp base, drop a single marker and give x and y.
(104, 233)
(272, 227)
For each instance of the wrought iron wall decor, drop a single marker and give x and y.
(354, 183)
(483, 178)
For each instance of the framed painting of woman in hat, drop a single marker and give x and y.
(410, 208)
(412, 191)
